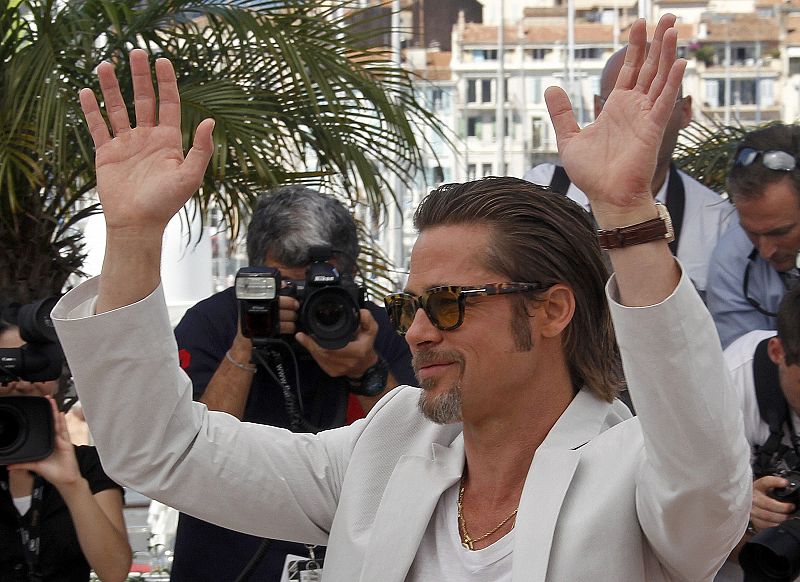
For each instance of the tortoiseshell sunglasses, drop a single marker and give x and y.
(444, 305)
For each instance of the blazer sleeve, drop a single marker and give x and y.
(693, 487)
(153, 438)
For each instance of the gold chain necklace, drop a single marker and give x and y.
(467, 540)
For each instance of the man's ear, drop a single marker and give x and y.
(775, 351)
(686, 111)
(557, 307)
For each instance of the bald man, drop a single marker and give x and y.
(699, 215)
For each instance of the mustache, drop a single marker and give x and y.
(427, 358)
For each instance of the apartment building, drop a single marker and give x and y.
(744, 67)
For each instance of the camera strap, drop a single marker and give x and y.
(29, 527)
(773, 409)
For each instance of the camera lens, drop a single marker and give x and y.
(331, 317)
(328, 313)
(774, 553)
(10, 428)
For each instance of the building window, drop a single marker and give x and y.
(588, 53)
(535, 92)
(486, 91)
(479, 55)
(537, 132)
(479, 91)
(472, 126)
(743, 92)
(537, 54)
(471, 169)
(486, 170)
(439, 99)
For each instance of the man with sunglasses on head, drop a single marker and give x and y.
(513, 461)
(699, 215)
(756, 261)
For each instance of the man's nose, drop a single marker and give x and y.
(421, 329)
(766, 247)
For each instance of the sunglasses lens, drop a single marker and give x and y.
(746, 157)
(401, 308)
(443, 308)
(778, 160)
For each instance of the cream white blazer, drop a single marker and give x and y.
(663, 496)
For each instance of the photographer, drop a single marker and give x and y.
(227, 375)
(64, 504)
(766, 373)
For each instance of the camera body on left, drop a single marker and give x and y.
(329, 302)
(26, 422)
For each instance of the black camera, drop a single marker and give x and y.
(40, 358)
(26, 422)
(774, 553)
(26, 429)
(329, 302)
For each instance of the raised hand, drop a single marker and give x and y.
(614, 158)
(143, 178)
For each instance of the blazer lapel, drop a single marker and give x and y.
(408, 503)
(548, 481)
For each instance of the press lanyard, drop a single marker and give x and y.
(29, 529)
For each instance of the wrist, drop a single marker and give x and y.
(73, 488)
(373, 381)
(355, 374)
(242, 363)
(609, 216)
(657, 228)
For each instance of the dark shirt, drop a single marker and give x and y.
(60, 555)
(206, 552)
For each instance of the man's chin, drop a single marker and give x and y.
(442, 408)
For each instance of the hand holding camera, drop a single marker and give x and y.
(60, 467)
(351, 360)
(774, 501)
(328, 303)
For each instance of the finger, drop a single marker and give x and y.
(308, 343)
(94, 119)
(288, 303)
(199, 155)
(287, 327)
(665, 103)
(115, 105)
(368, 323)
(561, 115)
(768, 482)
(657, 55)
(144, 96)
(634, 56)
(169, 100)
(772, 508)
(666, 60)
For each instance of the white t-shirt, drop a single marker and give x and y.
(442, 558)
(23, 504)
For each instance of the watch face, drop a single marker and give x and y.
(374, 380)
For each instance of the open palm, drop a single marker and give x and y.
(142, 176)
(613, 159)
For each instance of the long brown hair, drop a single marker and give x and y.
(541, 236)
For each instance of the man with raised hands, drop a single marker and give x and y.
(513, 461)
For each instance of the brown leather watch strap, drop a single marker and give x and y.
(656, 228)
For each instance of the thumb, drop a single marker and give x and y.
(306, 341)
(561, 115)
(770, 482)
(199, 155)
